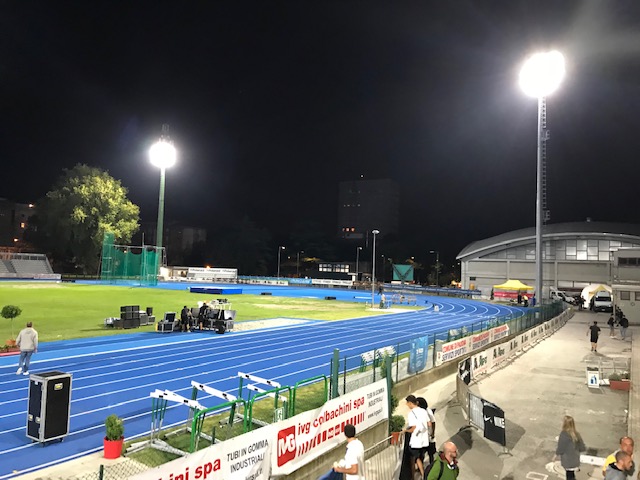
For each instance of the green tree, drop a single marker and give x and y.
(10, 312)
(73, 217)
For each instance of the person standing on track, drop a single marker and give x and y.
(27, 341)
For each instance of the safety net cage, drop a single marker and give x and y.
(129, 263)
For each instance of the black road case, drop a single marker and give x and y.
(49, 406)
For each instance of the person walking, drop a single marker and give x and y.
(418, 422)
(353, 463)
(626, 445)
(445, 465)
(594, 331)
(429, 445)
(570, 445)
(27, 341)
(624, 324)
(612, 324)
(618, 469)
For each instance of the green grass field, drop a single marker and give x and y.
(61, 311)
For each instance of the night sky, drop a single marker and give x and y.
(271, 104)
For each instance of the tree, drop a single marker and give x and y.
(72, 218)
(10, 312)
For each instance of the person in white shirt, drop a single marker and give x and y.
(418, 422)
(353, 464)
(430, 441)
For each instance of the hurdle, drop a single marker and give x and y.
(274, 393)
(201, 387)
(159, 402)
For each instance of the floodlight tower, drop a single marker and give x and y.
(540, 76)
(373, 268)
(162, 154)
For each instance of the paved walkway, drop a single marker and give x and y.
(535, 390)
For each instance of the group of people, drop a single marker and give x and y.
(618, 320)
(189, 323)
(421, 424)
(594, 330)
(617, 466)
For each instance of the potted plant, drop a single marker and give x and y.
(396, 424)
(114, 438)
(619, 381)
(11, 312)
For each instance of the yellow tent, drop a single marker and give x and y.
(513, 285)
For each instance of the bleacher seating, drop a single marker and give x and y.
(31, 267)
(6, 267)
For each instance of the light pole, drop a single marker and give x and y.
(540, 76)
(162, 154)
(373, 267)
(357, 261)
(437, 266)
(298, 263)
(280, 248)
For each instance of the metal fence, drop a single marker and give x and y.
(358, 370)
(383, 460)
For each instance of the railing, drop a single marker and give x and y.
(383, 460)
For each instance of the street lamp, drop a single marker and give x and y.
(540, 76)
(279, 251)
(437, 266)
(357, 261)
(298, 263)
(162, 154)
(373, 267)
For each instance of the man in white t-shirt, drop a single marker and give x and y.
(418, 421)
(353, 464)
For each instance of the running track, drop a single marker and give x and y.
(116, 376)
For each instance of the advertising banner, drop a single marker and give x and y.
(281, 448)
(305, 437)
(499, 353)
(418, 354)
(480, 363)
(499, 332)
(494, 427)
(525, 339)
(245, 457)
(480, 340)
(453, 350)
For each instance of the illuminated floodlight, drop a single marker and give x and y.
(542, 73)
(162, 154)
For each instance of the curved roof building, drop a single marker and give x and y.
(574, 255)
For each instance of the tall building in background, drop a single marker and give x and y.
(14, 220)
(365, 205)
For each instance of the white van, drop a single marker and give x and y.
(558, 295)
(602, 302)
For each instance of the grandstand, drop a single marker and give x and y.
(25, 266)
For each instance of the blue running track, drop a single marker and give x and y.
(116, 375)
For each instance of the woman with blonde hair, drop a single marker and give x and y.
(570, 445)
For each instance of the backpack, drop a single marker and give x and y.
(430, 467)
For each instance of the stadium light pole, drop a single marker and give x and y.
(280, 248)
(540, 76)
(437, 266)
(298, 263)
(162, 154)
(357, 260)
(373, 268)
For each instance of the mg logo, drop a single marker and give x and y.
(286, 445)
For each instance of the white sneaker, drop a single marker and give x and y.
(19, 371)
(25, 373)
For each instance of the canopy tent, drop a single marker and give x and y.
(513, 285)
(591, 289)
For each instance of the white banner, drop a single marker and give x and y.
(499, 332)
(245, 457)
(480, 340)
(203, 273)
(499, 353)
(305, 437)
(453, 350)
(480, 363)
(328, 281)
(525, 339)
(283, 447)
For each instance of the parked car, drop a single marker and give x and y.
(602, 302)
(558, 295)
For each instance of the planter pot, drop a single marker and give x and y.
(620, 385)
(10, 343)
(113, 448)
(395, 438)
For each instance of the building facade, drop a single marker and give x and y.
(365, 205)
(574, 256)
(14, 221)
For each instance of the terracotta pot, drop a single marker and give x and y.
(10, 343)
(395, 438)
(620, 385)
(113, 448)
